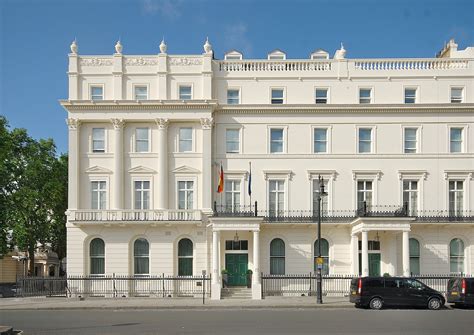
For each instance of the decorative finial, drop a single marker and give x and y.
(341, 53)
(118, 47)
(74, 47)
(207, 46)
(163, 46)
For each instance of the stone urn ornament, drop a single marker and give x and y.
(207, 46)
(74, 47)
(118, 47)
(163, 46)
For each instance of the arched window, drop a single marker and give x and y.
(414, 256)
(141, 257)
(456, 256)
(185, 257)
(97, 257)
(277, 257)
(324, 255)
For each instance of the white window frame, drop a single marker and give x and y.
(91, 142)
(193, 138)
(330, 176)
(134, 87)
(135, 139)
(459, 175)
(107, 191)
(413, 175)
(417, 94)
(419, 137)
(284, 94)
(234, 89)
(147, 178)
(464, 138)
(371, 97)
(238, 175)
(285, 138)
(373, 139)
(233, 191)
(90, 91)
(283, 175)
(366, 175)
(195, 191)
(328, 91)
(328, 139)
(462, 88)
(239, 129)
(185, 85)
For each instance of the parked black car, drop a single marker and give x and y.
(377, 292)
(460, 291)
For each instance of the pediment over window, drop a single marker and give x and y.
(98, 170)
(327, 174)
(141, 169)
(233, 55)
(276, 54)
(319, 54)
(186, 169)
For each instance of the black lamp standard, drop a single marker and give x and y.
(321, 193)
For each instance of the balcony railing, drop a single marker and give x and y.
(308, 216)
(134, 215)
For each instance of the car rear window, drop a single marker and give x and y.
(354, 283)
(452, 283)
(373, 282)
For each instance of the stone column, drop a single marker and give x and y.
(355, 254)
(73, 163)
(118, 164)
(206, 192)
(406, 253)
(365, 253)
(256, 284)
(216, 282)
(162, 163)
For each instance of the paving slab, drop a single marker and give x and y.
(167, 303)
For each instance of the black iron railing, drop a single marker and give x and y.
(116, 286)
(335, 285)
(308, 216)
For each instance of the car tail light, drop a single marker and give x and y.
(359, 286)
(463, 286)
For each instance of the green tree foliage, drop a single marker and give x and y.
(33, 192)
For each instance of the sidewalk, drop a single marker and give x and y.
(168, 303)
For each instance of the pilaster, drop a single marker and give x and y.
(206, 124)
(73, 163)
(117, 199)
(162, 76)
(162, 163)
(117, 73)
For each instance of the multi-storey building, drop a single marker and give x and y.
(391, 138)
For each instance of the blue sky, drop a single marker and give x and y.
(35, 36)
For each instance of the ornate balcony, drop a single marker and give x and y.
(343, 216)
(132, 216)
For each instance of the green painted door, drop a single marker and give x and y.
(374, 265)
(236, 265)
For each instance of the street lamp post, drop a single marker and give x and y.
(319, 196)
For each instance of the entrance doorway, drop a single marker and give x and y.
(374, 258)
(236, 266)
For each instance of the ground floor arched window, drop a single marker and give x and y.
(277, 257)
(456, 256)
(414, 256)
(324, 255)
(97, 257)
(185, 257)
(141, 257)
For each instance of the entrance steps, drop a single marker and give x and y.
(236, 293)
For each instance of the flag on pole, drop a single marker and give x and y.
(220, 187)
(250, 179)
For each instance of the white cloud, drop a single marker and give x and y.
(236, 38)
(166, 8)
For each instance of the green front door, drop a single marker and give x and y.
(374, 264)
(236, 265)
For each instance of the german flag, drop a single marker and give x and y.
(220, 187)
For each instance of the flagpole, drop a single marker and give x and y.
(250, 184)
(220, 173)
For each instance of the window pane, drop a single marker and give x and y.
(97, 93)
(365, 134)
(321, 96)
(320, 147)
(233, 97)
(456, 95)
(277, 93)
(141, 93)
(185, 92)
(410, 95)
(98, 139)
(277, 134)
(414, 247)
(320, 134)
(364, 147)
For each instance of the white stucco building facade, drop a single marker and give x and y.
(391, 138)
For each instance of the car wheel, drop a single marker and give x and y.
(434, 303)
(376, 303)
